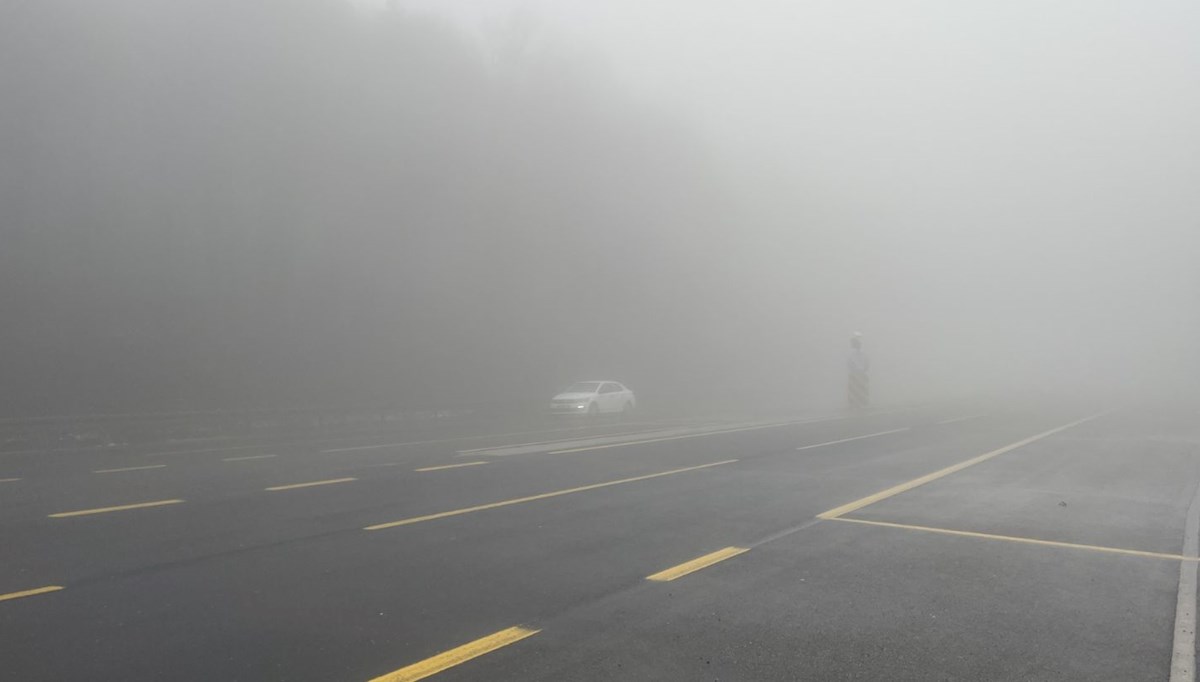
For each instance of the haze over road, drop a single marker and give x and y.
(965, 542)
(896, 300)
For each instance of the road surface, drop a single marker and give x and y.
(935, 543)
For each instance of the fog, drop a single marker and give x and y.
(208, 203)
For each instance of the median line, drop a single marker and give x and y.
(955, 420)
(30, 593)
(940, 473)
(105, 510)
(480, 436)
(293, 486)
(457, 656)
(666, 438)
(450, 466)
(113, 471)
(575, 439)
(696, 564)
(847, 440)
(542, 496)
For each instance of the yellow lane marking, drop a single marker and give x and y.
(543, 496)
(9, 480)
(243, 459)
(847, 440)
(697, 564)
(896, 490)
(123, 507)
(113, 471)
(30, 593)
(658, 440)
(457, 655)
(450, 466)
(310, 484)
(1012, 538)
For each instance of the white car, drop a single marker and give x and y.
(592, 398)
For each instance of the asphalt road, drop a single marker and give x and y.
(964, 542)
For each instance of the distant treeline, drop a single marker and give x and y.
(220, 203)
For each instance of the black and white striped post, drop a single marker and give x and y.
(858, 366)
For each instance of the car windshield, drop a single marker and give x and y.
(583, 387)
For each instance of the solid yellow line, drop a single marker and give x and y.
(113, 471)
(896, 490)
(123, 507)
(457, 656)
(450, 466)
(1028, 541)
(293, 486)
(543, 496)
(658, 440)
(847, 440)
(697, 564)
(30, 593)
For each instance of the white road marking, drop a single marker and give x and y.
(457, 438)
(243, 459)
(847, 440)
(955, 420)
(113, 471)
(1183, 655)
(557, 441)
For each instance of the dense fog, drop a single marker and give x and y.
(218, 204)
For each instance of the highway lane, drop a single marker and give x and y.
(250, 584)
(132, 472)
(228, 504)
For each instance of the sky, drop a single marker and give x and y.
(1002, 181)
(212, 203)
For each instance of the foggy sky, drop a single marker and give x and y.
(998, 194)
(312, 203)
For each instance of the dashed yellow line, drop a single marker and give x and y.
(457, 655)
(123, 507)
(1014, 538)
(697, 564)
(293, 486)
(896, 490)
(543, 496)
(30, 593)
(113, 471)
(450, 466)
